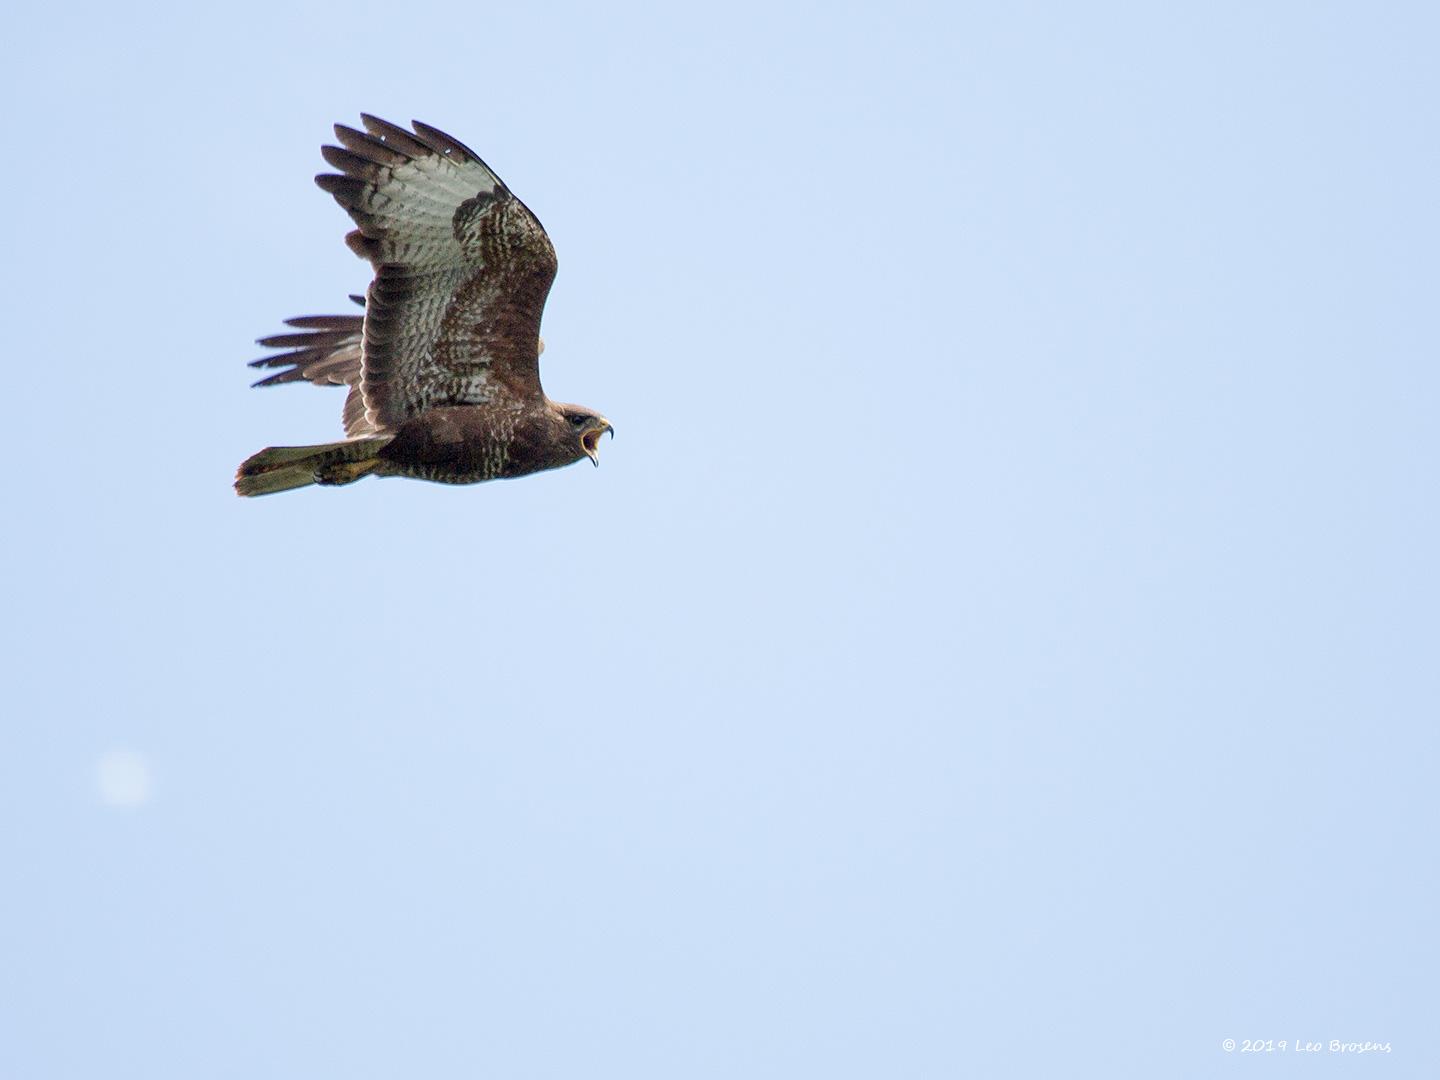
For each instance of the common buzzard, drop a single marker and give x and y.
(444, 365)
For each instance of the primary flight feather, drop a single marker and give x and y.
(444, 365)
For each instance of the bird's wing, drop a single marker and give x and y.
(462, 270)
(326, 353)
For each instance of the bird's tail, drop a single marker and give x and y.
(280, 468)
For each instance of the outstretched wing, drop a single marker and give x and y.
(326, 353)
(462, 270)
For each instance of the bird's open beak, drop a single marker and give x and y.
(590, 442)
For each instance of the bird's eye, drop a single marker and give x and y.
(579, 421)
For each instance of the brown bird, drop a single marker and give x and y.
(444, 365)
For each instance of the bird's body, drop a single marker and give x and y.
(465, 444)
(443, 367)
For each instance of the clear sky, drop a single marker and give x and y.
(1000, 641)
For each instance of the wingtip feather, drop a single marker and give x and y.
(443, 144)
(393, 135)
(352, 164)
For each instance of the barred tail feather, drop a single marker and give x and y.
(283, 468)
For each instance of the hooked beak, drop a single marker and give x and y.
(590, 441)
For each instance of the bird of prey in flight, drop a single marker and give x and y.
(443, 366)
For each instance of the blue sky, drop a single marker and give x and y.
(1000, 641)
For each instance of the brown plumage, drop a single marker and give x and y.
(444, 365)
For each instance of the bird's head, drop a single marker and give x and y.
(584, 427)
